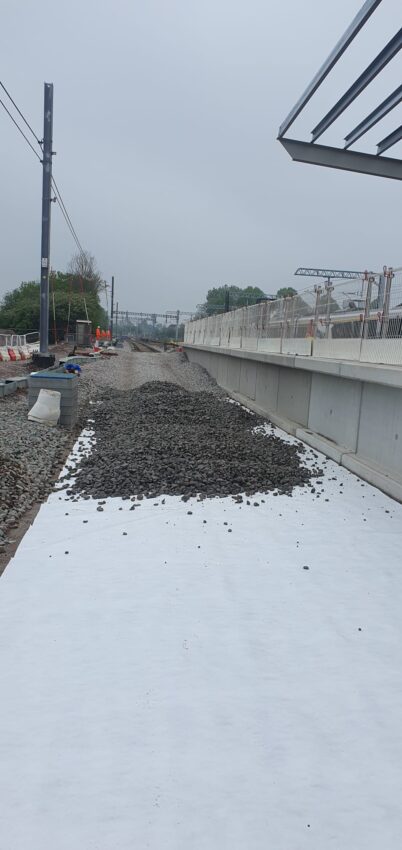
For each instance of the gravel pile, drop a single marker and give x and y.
(31, 455)
(152, 438)
(163, 439)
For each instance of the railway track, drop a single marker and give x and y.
(144, 347)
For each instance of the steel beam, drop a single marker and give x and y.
(376, 115)
(136, 315)
(390, 140)
(364, 163)
(358, 22)
(389, 51)
(333, 273)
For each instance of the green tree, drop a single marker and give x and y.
(220, 297)
(286, 292)
(71, 297)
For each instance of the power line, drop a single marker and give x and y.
(59, 196)
(64, 211)
(70, 228)
(20, 113)
(21, 131)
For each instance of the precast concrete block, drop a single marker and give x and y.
(222, 376)
(233, 373)
(248, 377)
(334, 409)
(9, 388)
(266, 386)
(294, 394)
(391, 485)
(66, 385)
(213, 364)
(21, 382)
(380, 431)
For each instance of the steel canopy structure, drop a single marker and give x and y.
(343, 158)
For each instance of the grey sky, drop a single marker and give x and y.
(165, 123)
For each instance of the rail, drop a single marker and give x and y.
(358, 319)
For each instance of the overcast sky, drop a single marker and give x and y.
(165, 121)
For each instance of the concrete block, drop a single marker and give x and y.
(266, 386)
(2, 389)
(67, 421)
(248, 377)
(269, 345)
(370, 373)
(54, 375)
(296, 345)
(312, 364)
(285, 424)
(279, 421)
(249, 343)
(392, 486)
(321, 444)
(203, 358)
(9, 387)
(21, 382)
(213, 365)
(380, 432)
(233, 374)
(66, 385)
(294, 395)
(334, 409)
(59, 385)
(222, 376)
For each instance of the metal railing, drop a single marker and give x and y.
(358, 319)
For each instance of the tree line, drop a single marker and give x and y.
(220, 299)
(74, 294)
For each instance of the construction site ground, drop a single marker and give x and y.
(203, 673)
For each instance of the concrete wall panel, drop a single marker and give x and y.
(266, 387)
(233, 374)
(222, 375)
(334, 409)
(294, 395)
(248, 376)
(203, 358)
(360, 411)
(270, 345)
(380, 434)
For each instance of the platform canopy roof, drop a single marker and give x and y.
(343, 157)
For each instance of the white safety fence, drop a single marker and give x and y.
(359, 319)
(18, 346)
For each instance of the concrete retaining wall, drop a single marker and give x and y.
(351, 412)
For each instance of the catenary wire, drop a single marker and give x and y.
(20, 131)
(21, 114)
(59, 196)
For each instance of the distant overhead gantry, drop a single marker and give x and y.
(343, 158)
(329, 274)
(171, 315)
